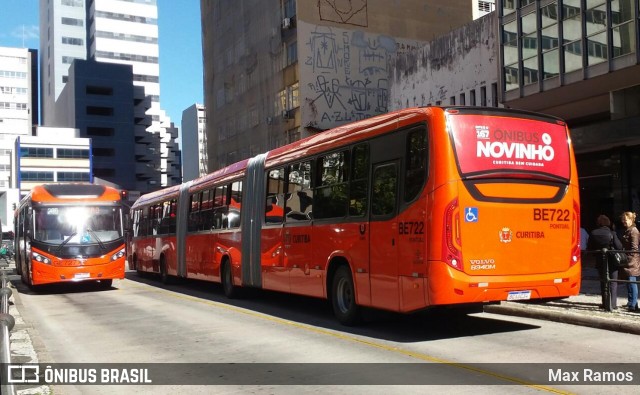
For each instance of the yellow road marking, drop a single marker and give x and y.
(353, 339)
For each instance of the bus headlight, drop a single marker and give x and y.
(117, 255)
(40, 258)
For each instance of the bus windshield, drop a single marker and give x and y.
(486, 145)
(77, 225)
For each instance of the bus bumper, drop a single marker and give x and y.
(447, 285)
(47, 274)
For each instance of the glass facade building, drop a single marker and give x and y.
(580, 60)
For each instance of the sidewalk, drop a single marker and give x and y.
(583, 309)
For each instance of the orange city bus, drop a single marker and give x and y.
(416, 208)
(70, 233)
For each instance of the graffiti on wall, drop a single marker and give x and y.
(347, 12)
(347, 75)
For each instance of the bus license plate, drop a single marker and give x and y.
(519, 295)
(81, 275)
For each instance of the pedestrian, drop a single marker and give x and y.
(630, 241)
(584, 239)
(604, 237)
(584, 242)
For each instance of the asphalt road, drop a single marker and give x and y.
(139, 320)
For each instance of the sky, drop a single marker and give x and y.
(180, 42)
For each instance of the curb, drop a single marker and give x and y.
(565, 317)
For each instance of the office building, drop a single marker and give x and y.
(53, 155)
(580, 60)
(194, 142)
(110, 31)
(18, 114)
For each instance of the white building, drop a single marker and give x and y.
(194, 142)
(18, 113)
(483, 7)
(113, 31)
(53, 155)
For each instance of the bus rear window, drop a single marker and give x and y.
(486, 145)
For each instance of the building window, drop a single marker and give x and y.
(104, 172)
(36, 152)
(70, 176)
(72, 21)
(292, 53)
(572, 32)
(103, 152)
(72, 153)
(36, 176)
(101, 111)
(452, 100)
(100, 132)
(292, 96)
(99, 90)
(72, 41)
(494, 94)
(289, 8)
(472, 97)
(462, 99)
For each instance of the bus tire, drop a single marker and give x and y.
(229, 289)
(164, 276)
(343, 297)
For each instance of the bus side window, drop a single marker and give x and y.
(416, 163)
(219, 207)
(384, 190)
(299, 193)
(235, 205)
(359, 180)
(205, 211)
(144, 222)
(194, 215)
(274, 208)
(330, 196)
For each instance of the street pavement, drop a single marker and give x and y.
(583, 309)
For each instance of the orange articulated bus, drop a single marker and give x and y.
(70, 233)
(435, 206)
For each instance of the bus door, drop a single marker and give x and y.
(384, 236)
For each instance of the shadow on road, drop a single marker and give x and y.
(407, 328)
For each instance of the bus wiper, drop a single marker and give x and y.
(68, 239)
(95, 236)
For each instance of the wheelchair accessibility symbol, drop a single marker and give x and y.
(471, 214)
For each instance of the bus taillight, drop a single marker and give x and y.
(451, 253)
(575, 237)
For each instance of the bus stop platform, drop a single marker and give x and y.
(584, 309)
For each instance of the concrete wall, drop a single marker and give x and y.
(344, 73)
(457, 63)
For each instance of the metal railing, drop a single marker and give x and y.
(605, 275)
(6, 325)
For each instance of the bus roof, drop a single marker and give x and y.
(77, 192)
(336, 137)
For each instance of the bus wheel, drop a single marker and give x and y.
(230, 290)
(343, 298)
(164, 276)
